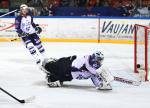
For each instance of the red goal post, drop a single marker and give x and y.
(142, 49)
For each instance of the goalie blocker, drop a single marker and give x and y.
(73, 67)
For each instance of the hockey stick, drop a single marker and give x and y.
(15, 39)
(19, 100)
(11, 40)
(127, 81)
(8, 13)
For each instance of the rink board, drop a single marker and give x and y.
(78, 29)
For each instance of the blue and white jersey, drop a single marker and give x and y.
(81, 69)
(24, 24)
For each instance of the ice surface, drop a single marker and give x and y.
(20, 76)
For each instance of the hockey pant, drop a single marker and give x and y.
(60, 69)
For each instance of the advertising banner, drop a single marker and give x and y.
(78, 28)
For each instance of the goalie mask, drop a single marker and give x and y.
(96, 59)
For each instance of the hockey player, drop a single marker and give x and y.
(73, 67)
(27, 30)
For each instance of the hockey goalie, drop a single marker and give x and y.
(73, 67)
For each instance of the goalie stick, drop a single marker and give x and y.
(19, 100)
(127, 81)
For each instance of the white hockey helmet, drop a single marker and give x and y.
(98, 56)
(96, 59)
(23, 6)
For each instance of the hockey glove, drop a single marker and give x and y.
(23, 34)
(38, 29)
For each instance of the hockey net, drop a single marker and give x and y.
(142, 50)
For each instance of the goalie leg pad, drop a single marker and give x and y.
(106, 76)
(104, 87)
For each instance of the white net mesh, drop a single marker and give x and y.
(143, 48)
(140, 54)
